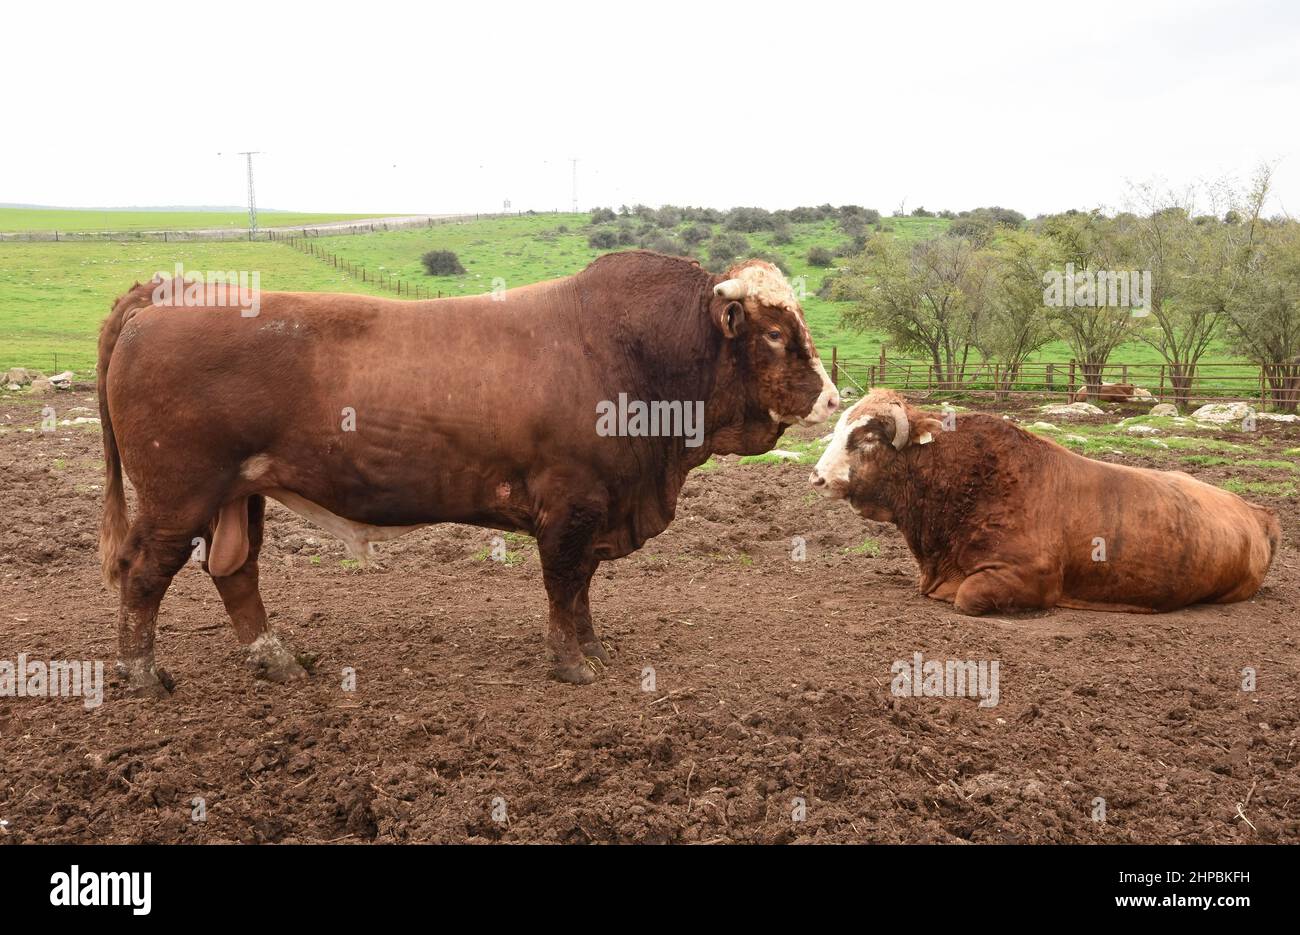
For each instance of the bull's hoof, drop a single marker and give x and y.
(146, 680)
(289, 671)
(596, 649)
(273, 662)
(583, 672)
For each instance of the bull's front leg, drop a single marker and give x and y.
(589, 642)
(566, 546)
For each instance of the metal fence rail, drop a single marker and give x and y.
(1276, 385)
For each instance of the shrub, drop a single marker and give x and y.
(920, 212)
(820, 256)
(749, 220)
(852, 247)
(728, 247)
(782, 235)
(696, 233)
(442, 263)
(603, 239)
(668, 216)
(603, 216)
(666, 243)
(853, 224)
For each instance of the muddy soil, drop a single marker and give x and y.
(749, 698)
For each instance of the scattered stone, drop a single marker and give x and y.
(63, 381)
(1164, 409)
(20, 375)
(1070, 410)
(1142, 430)
(1075, 438)
(42, 387)
(784, 455)
(1278, 416)
(1043, 427)
(1223, 413)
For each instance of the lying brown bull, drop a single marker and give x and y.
(1000, 519)
(1115, 393)
(374, 416)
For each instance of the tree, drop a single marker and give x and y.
(1186, 310)
(1087, 243)
(1015, 324)
(1261, 293)
(927, 297)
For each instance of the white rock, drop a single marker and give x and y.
(1142, 430)
(1223, 413)
(1043, 427)
(63, 380)
(1075, 438)
(1277, 416)
(1070, 410)
(784, 455)
(1164, 409)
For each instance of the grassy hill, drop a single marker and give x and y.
(53, 296)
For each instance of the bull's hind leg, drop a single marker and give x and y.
(1004, 589)
(566, 549)
(239, 592)
(150, 556)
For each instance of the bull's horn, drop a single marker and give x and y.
(901, 427)
(730, 289)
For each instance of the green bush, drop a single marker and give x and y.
(728, 247)
(442, 263)
(603, 239)
(820, 256)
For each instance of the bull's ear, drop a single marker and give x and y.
(926, 430)
(729, 317)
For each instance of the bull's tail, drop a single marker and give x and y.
(115, 524)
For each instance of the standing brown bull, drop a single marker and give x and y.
(1001, 519)
(373, 417)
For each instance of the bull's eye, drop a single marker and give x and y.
(774, 336)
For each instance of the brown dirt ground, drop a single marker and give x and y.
(772, 683)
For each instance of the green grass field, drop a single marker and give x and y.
(54, 295)
(61, 219)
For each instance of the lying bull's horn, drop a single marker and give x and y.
(731, 289)
(901, 427)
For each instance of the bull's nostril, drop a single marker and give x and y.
(816, 479)
(832, 403)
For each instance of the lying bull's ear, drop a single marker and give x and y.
(729, 317)
(925, 430)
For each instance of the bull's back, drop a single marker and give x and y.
(1158, 539)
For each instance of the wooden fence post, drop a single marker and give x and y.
(835, 365)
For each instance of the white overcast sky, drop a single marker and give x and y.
(411, 107)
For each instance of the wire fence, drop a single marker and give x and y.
(263, 234)
(384, 279)
(1276, 385)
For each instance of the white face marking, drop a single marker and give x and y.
(833, 466)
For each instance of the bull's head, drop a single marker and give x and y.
(783, 377)
(869, 439)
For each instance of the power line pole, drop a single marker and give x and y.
(575, 185)
(252, 201)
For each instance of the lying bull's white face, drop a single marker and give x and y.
(874, 430)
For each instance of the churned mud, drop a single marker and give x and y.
(749, 698)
